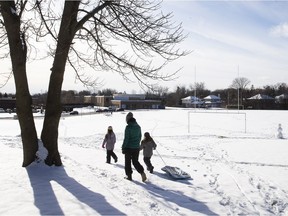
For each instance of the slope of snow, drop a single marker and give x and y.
(232, 172)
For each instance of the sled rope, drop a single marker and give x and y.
(161, 157)
(158, 143)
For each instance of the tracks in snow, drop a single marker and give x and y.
(251, 194)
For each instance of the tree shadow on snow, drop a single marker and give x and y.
(46, 201)
(178, 198)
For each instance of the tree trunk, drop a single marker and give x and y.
(26, 120)
(18, 52)
(53, 111)
(49, 133)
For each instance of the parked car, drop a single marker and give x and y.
(119, 109)
(74, 112)
(2, 110)
(99, 110)
(9, 110)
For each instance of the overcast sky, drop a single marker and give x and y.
(227, 39)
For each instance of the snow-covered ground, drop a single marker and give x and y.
(238, 166)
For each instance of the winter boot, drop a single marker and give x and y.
(144, 178)
(128, 177)
(151, 169)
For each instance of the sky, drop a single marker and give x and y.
(226, 40)
(233, 171)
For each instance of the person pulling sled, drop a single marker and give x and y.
(131, 147)
(148, 145)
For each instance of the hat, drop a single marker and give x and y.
(129, 116)
(110, 128)
(146, 134)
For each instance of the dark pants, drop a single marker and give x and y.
(110, 153)
(147, 161)
(132, 156)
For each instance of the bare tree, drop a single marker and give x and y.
(16, 39)
(200, 89)
(113, 35)
(240, 83)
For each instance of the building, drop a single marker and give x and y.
(192, 101)
(136, 101)
(98, 100)
(8, 103)
(282, 101)
(260, 101)
(283, 98)
(212, 101)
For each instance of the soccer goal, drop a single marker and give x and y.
(211, 121)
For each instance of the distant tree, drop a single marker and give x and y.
(83, 32)
(84, 93)
(281, 88)
(251, 92)
(200, 88)
(270, 90)
(174, 98)
(68, 96)
(161, 91)
(240, 83)
(107, 92)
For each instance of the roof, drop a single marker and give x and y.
(192, 98)
(261, 97)
(282, 96)
(212, 97)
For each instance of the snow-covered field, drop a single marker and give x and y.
(237, 167)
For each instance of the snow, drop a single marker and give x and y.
(233, 172)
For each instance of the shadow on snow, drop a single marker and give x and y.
(46, 201)
(178, 198)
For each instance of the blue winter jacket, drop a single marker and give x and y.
(132, 135)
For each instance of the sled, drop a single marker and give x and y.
(175, 172)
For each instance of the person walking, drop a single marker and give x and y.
(109, 142)
(131, 147)
(148, 145)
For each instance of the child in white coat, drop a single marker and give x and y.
(109, 141)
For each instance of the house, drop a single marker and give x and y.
(212, 101)
(282, 101)
(135, 101)
(261, 97)
(260, 101)
(192, 101)
(281, 98)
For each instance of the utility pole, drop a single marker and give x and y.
(238, 88)
(195, 87)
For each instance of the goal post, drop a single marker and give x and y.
(225, 120)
